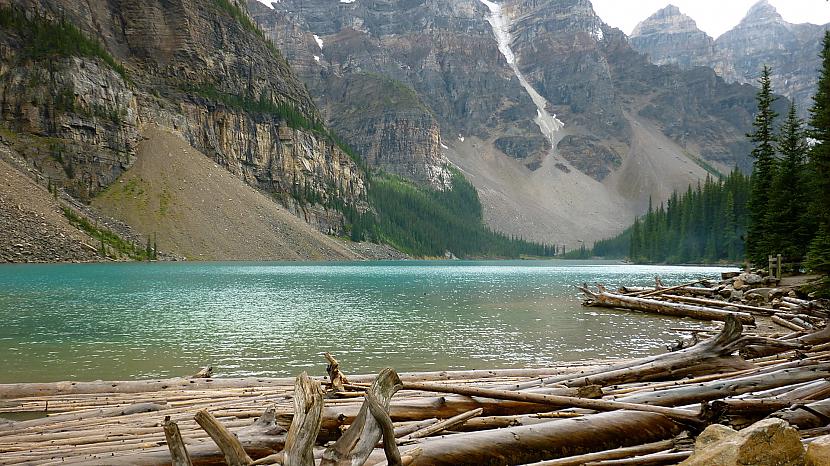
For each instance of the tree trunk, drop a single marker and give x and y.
(526, 444)
(606, 299)
(308, 415)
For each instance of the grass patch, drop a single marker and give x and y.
(110, 244)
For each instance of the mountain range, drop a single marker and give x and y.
(762, 37)
(564, 129)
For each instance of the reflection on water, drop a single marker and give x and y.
(116, 321)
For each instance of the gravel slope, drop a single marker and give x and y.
(32, 225)
(200, 211)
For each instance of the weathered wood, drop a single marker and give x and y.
(359, 440)
(809, 416)
(654, 459)
(390, 446)
(721, 304)
(178, 450)
(659, 290)
(553, 400)
(228, 443)
(815, 338)
(416, 409)
(526, 444)
(786, 323)
(308, 415)
(605, 299)
(337, 379)
(414, 427)
(204, 373)
(614, 454)
(443, 425)
(708, 391)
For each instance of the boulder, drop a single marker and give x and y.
(818, 451)
(738, 284)
(728, 275)
(736, 295)
(712, 434)
(763, 292)
(770, 442)
(751, 278)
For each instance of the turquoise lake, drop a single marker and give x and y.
(134, 320)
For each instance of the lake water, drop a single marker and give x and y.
(119, 321)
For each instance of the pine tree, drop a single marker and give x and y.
(763, 171)
(788, 221)
(819, 252)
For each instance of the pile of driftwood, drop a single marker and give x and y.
(642, 411)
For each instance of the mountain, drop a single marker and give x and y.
(82, 83)
(562, 127)
(670, 37)
(762, 37)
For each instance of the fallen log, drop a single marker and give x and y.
(654, 459)
(605, 299)
(692, 290)
(416, 409)
(659, 290)
(555, 400)
(806, 416)
(526, 444)
(708, 391)
(721, 304)
(442, 425)
(787, 324)
(810, 339)
(617, 453)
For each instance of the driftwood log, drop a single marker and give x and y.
(604, 298)
(526, 444)
(359, 440)
(308, 412)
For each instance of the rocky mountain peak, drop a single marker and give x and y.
(666, 21)
(668, 31)
(761, 13)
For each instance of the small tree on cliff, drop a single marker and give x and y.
(763, 171)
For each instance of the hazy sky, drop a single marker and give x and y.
(713, 16)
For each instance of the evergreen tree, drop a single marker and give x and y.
(788, 221)
(763, 171)
(819, 252)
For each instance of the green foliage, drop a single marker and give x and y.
(818, 256)
(702, 225)
(789, 227)
(424, 222)
(107, 239)
(763, 173)
(45, 39)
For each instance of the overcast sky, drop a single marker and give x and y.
(713, 16)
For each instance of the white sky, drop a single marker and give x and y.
(713, 16)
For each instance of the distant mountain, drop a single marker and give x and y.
(486, 85)
(762, 37)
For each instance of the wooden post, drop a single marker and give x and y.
(769, 269)
(778, 270)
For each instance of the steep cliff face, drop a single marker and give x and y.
(762, 37)
(441, 50)
(199, 67)
(670, 37)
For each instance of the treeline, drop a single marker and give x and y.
(783, 208)
(425, 222)
(705, 224)
(45, 39)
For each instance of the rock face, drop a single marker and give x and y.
(198, 67)
(669, 36)
(771, 442)
(762, 37)
(388, 74)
